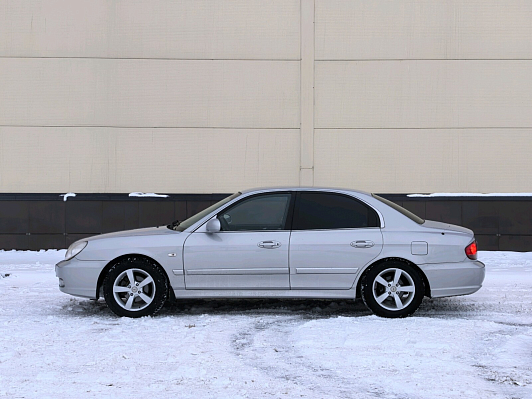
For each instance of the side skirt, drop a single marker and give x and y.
(293, 294)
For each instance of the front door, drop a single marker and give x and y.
(250, 251)
(334, 236)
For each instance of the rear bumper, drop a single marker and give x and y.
(450, 279)
(79, 278)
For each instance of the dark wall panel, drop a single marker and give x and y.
(487, 242)
(131, 215)
(444, 211)
(180, 210)
(416, 207)
(39, 221)
(47, 217)
(156, 213)
(84, 217)
(46, 241)
(14, 241)
(14, 217)
(515, 243)
(515, 217)
(113, 216)
(481, 216)
(119, 215)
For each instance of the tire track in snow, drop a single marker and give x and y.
(266, 345)
(499, 364)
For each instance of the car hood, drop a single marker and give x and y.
(148, 231)
(445, 226)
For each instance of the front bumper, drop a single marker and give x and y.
(79, 278)
(450, 279)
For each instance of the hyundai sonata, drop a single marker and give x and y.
(279, 243)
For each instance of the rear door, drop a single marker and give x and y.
(333, 236)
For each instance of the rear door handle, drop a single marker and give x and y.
(362, 244)
(269, 244)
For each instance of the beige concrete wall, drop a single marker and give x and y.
(423, 29)
(163, 160)
(423, 96)
(166, 96)
(149, 93)
(176, 29)
(437, 160)
(218, 95)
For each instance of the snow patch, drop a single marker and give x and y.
(67, 195)
(474, 346)
(139, 194)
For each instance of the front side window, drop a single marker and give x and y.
(261, 212)
(327, 211)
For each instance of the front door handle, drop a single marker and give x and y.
(362, 244)
(269, 244)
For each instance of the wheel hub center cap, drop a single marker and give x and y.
(134, 289)
(393, 289)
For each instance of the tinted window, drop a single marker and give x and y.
(263, 212)
(332, 211)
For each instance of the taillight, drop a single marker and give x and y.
(471, 250)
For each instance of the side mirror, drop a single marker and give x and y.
(213, 226)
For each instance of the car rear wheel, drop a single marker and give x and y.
(135, 287)
(392, 289)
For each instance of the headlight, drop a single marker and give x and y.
(75, 249)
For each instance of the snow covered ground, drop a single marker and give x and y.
(56, 346)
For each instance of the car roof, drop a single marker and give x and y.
(303, 188)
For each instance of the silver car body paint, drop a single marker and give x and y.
(297, 264)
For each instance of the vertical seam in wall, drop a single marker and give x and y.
(64, 224)
(313, 85)
(498, 235)
(307, 58)
(300, 90)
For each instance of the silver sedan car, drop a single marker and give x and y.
(279, 243)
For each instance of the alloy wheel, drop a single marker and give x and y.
(393, 289)
(134, 289)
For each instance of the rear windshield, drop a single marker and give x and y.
(400, 209)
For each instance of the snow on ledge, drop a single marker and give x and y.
(148, 195)
(471, 195)
(65, 196)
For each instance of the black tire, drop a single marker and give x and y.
(384, 299)
(145, 297)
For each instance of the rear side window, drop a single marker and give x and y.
(328, 211)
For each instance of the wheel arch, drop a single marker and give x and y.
(113, 262)
(394, 259)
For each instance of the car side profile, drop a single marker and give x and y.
(279, 243)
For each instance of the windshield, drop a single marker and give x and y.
(185, 224)
(400, 209)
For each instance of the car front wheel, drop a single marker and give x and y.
(392, 289)
(135, 287)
